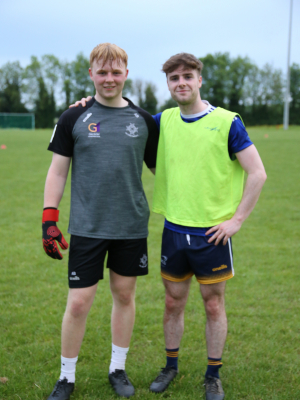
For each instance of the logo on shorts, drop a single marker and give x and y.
(74, 277)
(164, 260)
(144, 261)
(219, 268)
(131, 130)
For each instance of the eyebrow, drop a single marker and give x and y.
(184, 73)
(114, 70)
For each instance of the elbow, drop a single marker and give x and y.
(262, 177)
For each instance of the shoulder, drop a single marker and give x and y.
(70, 116)
(151, 123)
(140, 110)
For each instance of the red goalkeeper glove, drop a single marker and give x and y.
(52, 233)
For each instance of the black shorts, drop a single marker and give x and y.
(126, 257)
(183, 256)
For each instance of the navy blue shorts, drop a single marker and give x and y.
(127, 257)
(183, 256)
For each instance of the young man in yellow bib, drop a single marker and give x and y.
(202, 154)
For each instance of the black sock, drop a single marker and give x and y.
(213, 366)
(172, 358)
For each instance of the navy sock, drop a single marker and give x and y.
(213, 366)
(172, 358)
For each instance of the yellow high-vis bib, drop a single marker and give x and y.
(196, 182)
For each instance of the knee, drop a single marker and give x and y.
(78, 308)
(124, 298)
(173, 305)
(214, 307)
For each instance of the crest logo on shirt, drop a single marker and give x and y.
(131, 130)
(94, 130)
(144, 261)
(137, 115)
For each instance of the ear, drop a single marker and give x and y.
(127, 70)
(168, 83)
(200, 82)
(91, 74)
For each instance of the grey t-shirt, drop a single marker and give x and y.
(107, 146)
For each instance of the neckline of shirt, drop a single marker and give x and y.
(113, 108)
(208, 109)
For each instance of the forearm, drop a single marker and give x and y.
(253, 187)
(54, 189)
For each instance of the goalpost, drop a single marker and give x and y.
(17, 120)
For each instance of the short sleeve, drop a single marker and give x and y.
(238, 138)
(62, 141)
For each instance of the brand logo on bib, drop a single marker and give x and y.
(131, 130)
(213, 129)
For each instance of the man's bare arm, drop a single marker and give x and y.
(253, 166)
(56, 180)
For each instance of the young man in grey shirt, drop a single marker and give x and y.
(107, 142)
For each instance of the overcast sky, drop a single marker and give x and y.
(150, 31)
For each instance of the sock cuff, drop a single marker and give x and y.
(173, 353)
(65, 359)
(214, 361)
(119, 349)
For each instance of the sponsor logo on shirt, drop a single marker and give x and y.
(131, 130)
(94, 130)
(137, 115)
(143, 261)
(87, 117)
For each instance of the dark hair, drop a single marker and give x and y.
(185, 59)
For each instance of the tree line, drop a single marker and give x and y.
(47, 86)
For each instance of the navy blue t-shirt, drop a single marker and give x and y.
(238, 140)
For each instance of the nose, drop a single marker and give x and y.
(109, 77)
(181, 81)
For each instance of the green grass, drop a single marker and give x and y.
(261, 357)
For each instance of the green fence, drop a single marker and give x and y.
(17, 120)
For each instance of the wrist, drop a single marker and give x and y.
(50, 214)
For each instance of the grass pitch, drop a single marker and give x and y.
(261, 357)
